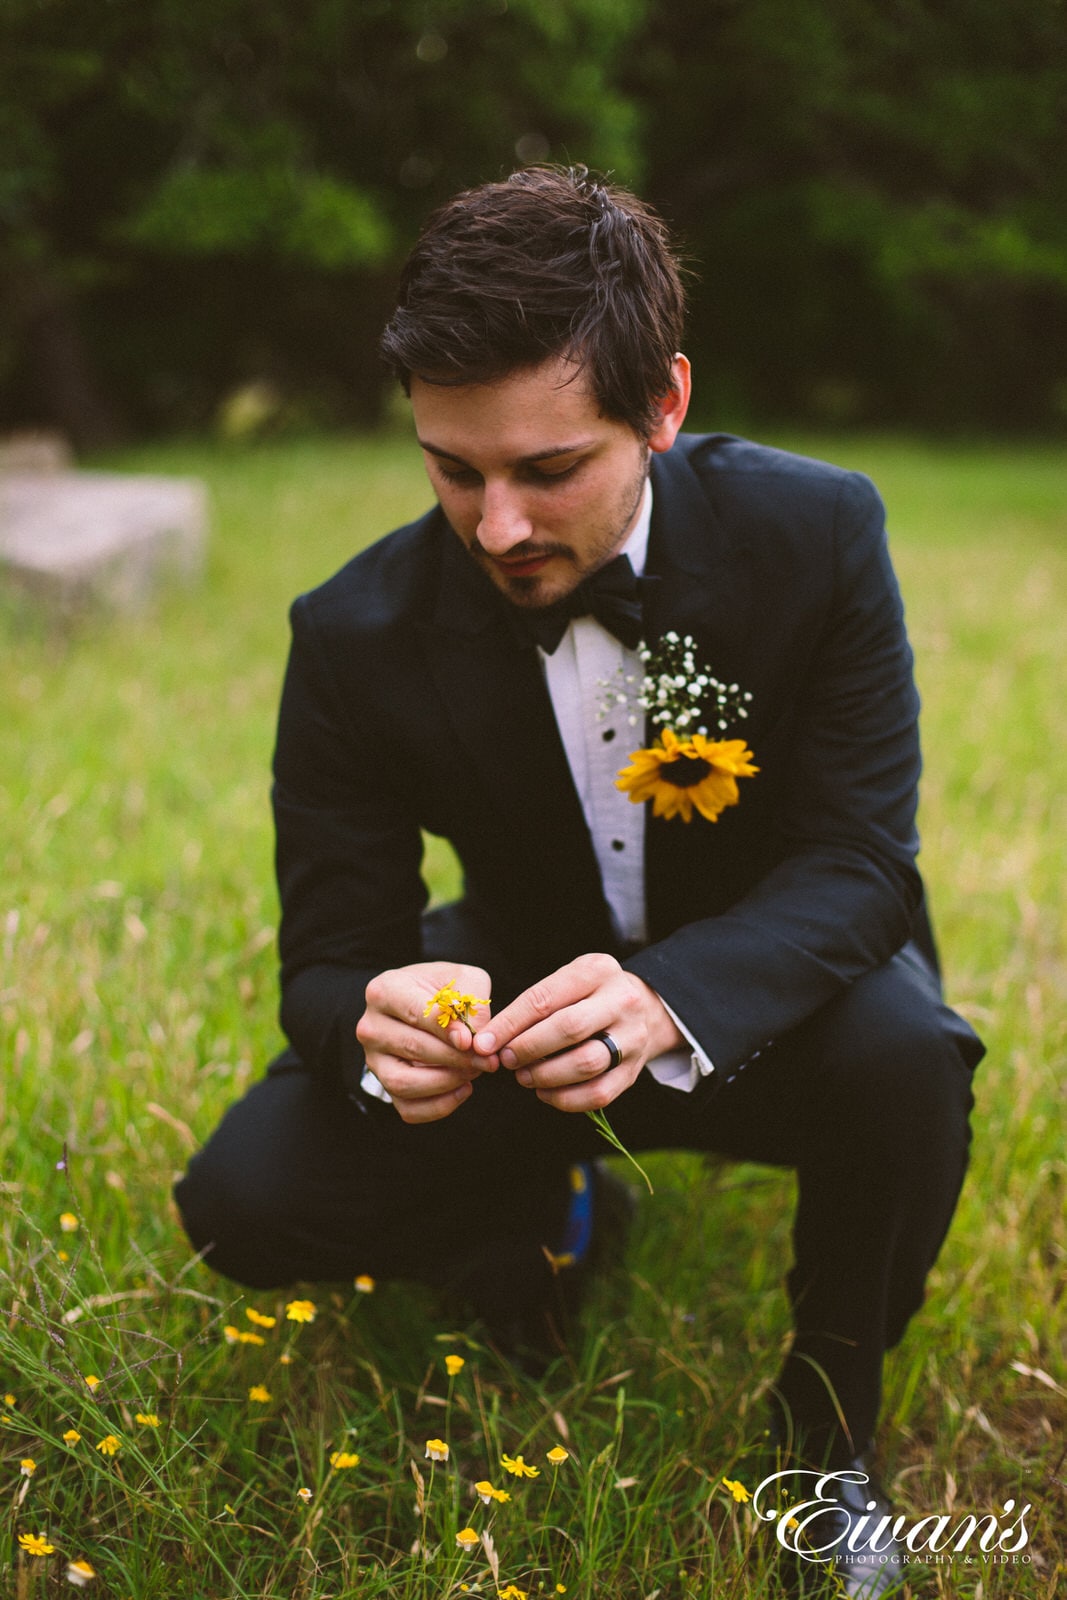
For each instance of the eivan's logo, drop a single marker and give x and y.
(801, 1525)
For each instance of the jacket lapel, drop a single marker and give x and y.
(504, 738)
(705, 591)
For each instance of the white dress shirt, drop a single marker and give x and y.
(598, 736)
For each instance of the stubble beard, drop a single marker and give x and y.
(528, 593)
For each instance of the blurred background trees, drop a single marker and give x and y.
(197, 196)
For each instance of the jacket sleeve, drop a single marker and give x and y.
(348, 856)
(842, 892)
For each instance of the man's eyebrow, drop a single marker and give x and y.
(537, 455)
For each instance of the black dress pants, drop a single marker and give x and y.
(868, 1101)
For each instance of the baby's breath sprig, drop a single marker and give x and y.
(675, 692)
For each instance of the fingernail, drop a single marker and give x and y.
(525, 1077)
(486, 1042)
(463, 1091)
(508, 1058)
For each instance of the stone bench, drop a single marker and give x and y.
(82, 538)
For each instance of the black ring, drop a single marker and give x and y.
(613, 1050)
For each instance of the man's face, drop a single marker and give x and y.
(540, 487)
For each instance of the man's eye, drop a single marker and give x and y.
(556, 475)
(461, 475)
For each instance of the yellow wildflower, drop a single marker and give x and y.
(561, 1588)
(9, 1400)
(260, 1320)
(341, 1460)
(35, 1544)
(260, 1393)
(147, 1419)
(285, 1360)
(246, 1336)
(28, 1467)
(468, 1540)
(487, 1493)
(512, 1592)
(62, 1255)
(365, 1283)
(436, 1450)
(79, 1573)
(453, 1006)
(678, 774)
(557, 1455)
(518, 1467)
(300, 1311)
(454, 1364)
(72, 1436)
(231, 1334)
(738, 1490)
(304, 1494)
(109, 1445)
(68, 1222)
(91, 1380)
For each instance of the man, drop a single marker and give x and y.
(743, 965)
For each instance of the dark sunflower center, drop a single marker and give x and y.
(685, 771)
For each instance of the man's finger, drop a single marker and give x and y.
(435, 1108)
(544, 1000)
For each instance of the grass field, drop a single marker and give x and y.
(137, 998)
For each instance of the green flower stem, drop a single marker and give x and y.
(603, 1126)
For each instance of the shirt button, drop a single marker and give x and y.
(617, 844)
(608, 735)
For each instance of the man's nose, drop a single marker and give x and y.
(504, 523)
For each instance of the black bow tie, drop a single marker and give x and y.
(614, 596)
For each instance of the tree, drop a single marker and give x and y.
(196, 192)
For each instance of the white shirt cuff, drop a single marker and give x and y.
(680, 1069)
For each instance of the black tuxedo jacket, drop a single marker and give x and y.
(411, 704)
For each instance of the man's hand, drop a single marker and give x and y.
(546, 1035)
(427, 1070)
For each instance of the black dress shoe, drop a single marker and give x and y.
(836, 1532)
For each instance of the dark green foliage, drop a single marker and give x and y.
(196, 194)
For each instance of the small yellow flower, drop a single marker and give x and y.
(453, 1006)
(454, 1364)
(28, 1467)
(62, 1255)
(246, 1336)
(487, 1493)
(285, 1360)
(678, 774)
(436, 1450)
(300, 1311)
(557, 1455)
(259, 1393)
(341, 1460)
(68, 1222)
(364, 1283)
(561, 1588)
(738, 1490)
(109, 1445)
(260, 1320)
(304, 1494)
(72, 1436)
(91, 1380)
(35, 1544)
(147, 1419)
(512, 1592)
(517, 1466)
(468, 1540)
(231, 1334)
(9, 1400)
(79, 1573)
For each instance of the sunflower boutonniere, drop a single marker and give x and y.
(686, 768)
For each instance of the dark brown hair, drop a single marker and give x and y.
(551, 262)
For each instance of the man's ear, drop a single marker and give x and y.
(672, 407)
